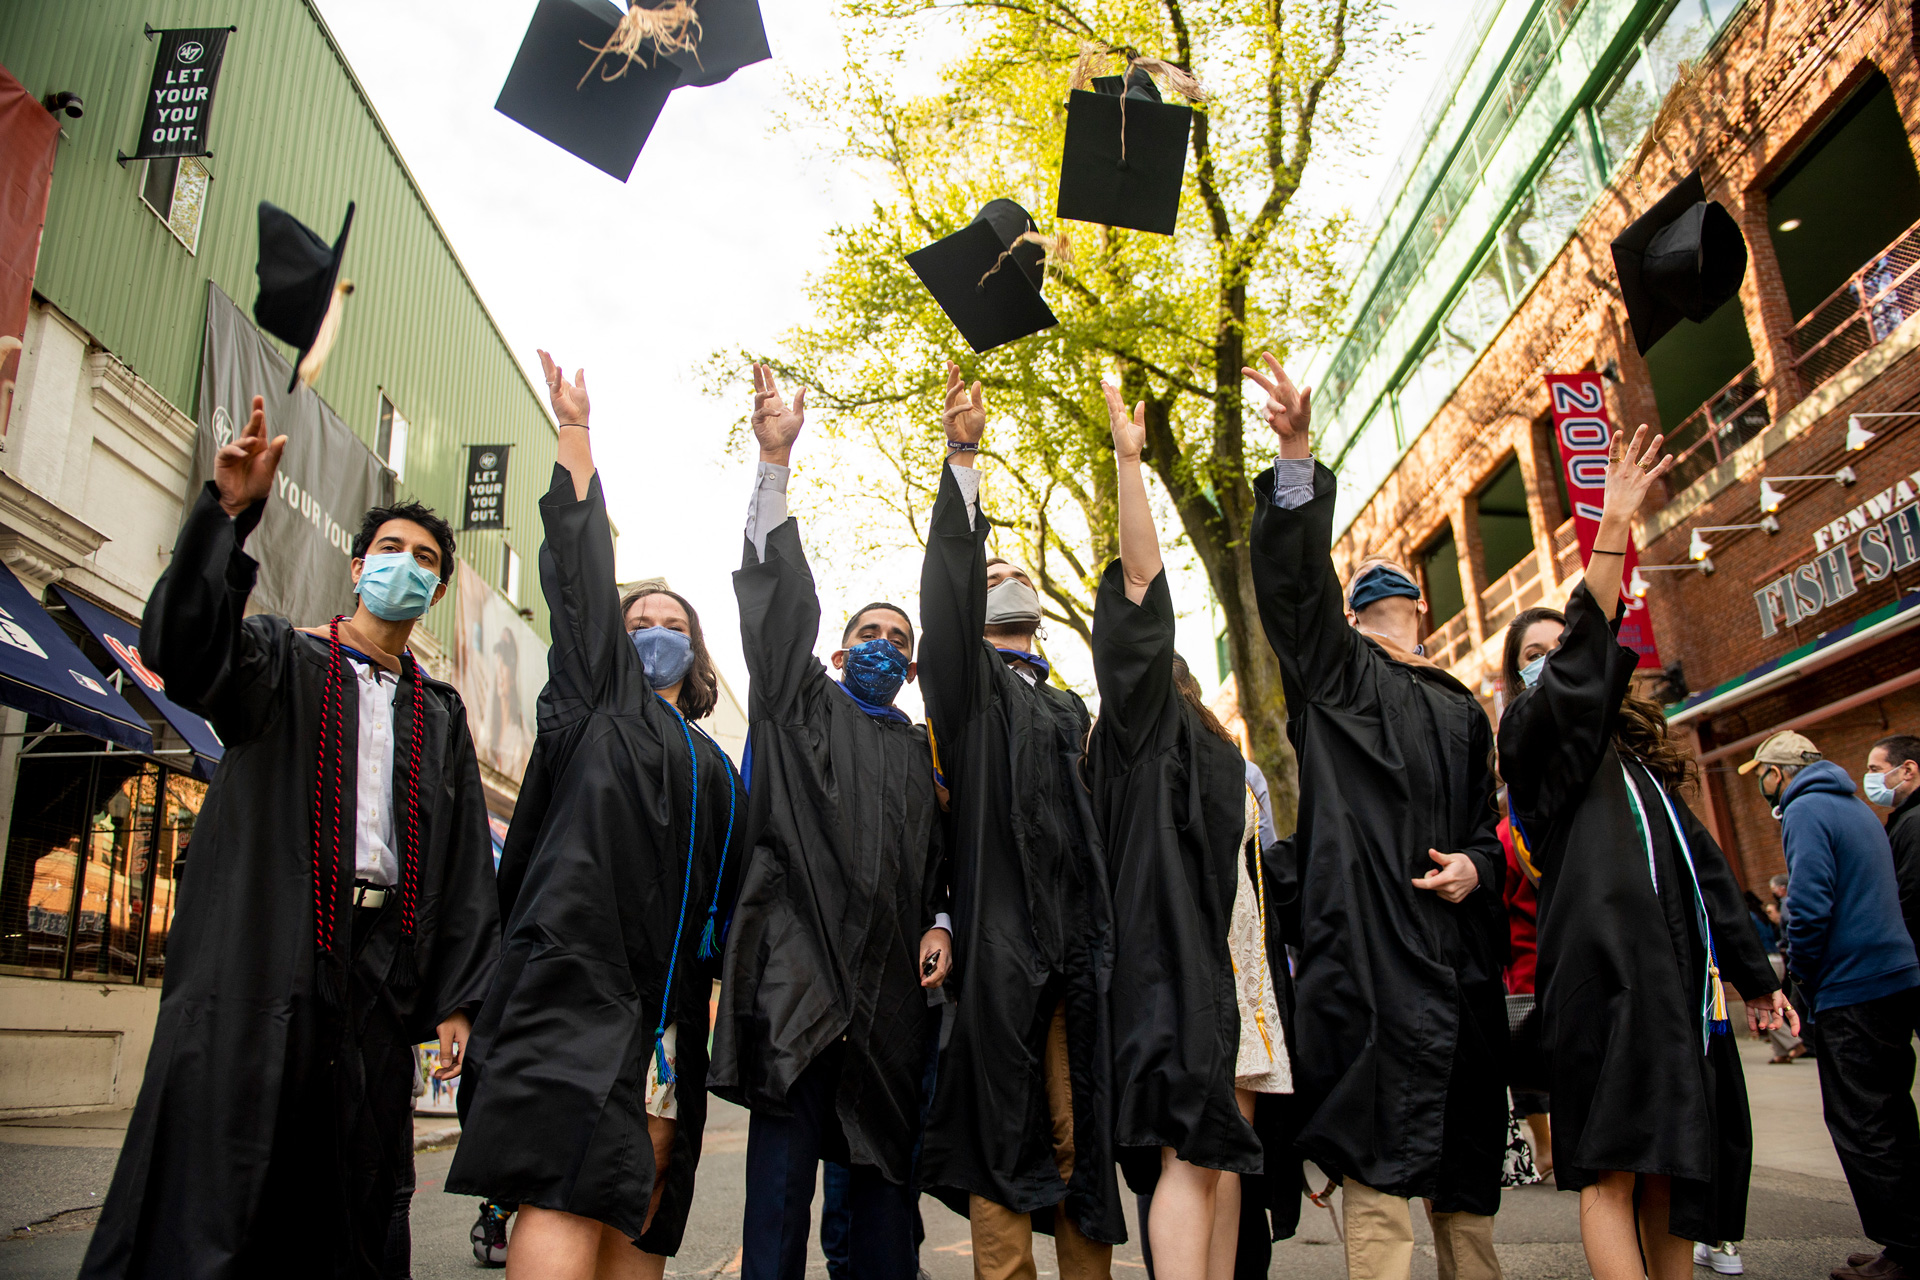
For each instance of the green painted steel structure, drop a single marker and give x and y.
(1540, 105)
(291, 124)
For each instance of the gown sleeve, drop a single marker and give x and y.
(1133, 660)
(1743, 962)
(1301, 605)
(1554, 735)
(954, 680)
(779, 622)
(583, 595)
(1482, 843)
(216, 662)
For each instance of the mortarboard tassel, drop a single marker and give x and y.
(706, 937)
(666, 29)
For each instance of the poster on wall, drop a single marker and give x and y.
(1582, 430)
(499, 667)
(28, 137)
(186, 71)
(486, 486)
(327, 478)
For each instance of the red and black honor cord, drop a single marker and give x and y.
(328, 803)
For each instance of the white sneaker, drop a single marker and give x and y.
(1724, 1258)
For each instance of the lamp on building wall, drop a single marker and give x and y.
(1857, 435)
(1637, 588)
(1771, 498)
(1698, 548)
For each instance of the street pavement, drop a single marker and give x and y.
(1800, 1219)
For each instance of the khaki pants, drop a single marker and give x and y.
(1379, 1232)
(1003, 1239)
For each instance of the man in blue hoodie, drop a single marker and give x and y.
(1848, 947)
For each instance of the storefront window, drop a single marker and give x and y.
(92, 861)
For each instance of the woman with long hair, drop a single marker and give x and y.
(1641, 927)
(584, 1095)
(1197, 1026)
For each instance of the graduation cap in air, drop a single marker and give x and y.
(987, 276)
(559, 86)
(297, 271)
(1125, 154)
(592, 78)
(1682, 259)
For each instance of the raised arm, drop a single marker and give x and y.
(1139, 540)
(1301, 605)
(193, 632)
(1631, 471)
(953, 577)
(779, 605)
(576, 560)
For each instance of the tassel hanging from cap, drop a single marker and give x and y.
(1057, 247)
(1717, 1001)
(1091, 51)
(672, 28)
(1178, 79)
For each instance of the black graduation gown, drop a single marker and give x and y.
(1032, 922)
(595, 886)
(844, 878)
(1622, 967)
(242, 1070)
(1172, 801)
(1400, 1013)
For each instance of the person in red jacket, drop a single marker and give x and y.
(1523, 909)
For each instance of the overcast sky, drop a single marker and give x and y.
(707, 246)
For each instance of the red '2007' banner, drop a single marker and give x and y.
(1582, 429)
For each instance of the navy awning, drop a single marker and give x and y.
(44, 673)
(122, 640)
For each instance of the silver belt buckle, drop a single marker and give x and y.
(369, 895)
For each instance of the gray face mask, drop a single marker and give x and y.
(1011, 604)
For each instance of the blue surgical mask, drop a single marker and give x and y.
(666, 654)
(395, 587)
(875, 671)
(1875, 785)
(1530, 674)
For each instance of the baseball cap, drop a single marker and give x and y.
(1786, 747)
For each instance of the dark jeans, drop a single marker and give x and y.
(1866, 1090)
(783, 1161)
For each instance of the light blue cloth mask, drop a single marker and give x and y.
(1875, 785)
(1530, 674)
(666, 654)
(395, 587)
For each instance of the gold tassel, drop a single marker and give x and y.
(1178, 79)
(666, 29)
(1054, 246)
(309, 371)
(1091, 51)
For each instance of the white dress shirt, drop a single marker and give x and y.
(373, 844)
(768, 506)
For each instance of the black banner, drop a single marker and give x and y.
(180, 99)
(486, 486)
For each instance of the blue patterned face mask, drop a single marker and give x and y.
(875, 671)
(666, 654)
(394, 586)
(1530, 674)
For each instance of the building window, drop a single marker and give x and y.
(1506, 529)
(510, 573)
(176, 191)
(390, 444)
(1440, 570)
(1681, 32)
(94, 855)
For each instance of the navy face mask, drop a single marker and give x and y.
(875, 671)
(666, 654)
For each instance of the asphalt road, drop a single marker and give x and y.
(1799, 1225)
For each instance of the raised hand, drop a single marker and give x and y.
(965, 417)
(1129, 432)
(243, 471)
(570, 405)
(1288, 410)
(1631, 471)
(775, 425)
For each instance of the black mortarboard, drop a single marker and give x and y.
(1682, 259)
(297, 270)
(604, 122)
(988, 285)
(1125, 155)
(732, 36)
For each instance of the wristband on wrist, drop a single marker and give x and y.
(962, 446)
(583, 426)
(1602, 551)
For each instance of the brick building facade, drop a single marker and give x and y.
(1803, 117)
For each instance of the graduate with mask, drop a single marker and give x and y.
(824, 1026)
(585, 1095)
(1400, 1021)
(1021, 1129)
(340, 907)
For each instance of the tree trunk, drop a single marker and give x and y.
(1263, 706)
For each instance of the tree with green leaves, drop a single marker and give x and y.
(1174, 318)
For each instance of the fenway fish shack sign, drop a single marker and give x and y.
(1874, 540)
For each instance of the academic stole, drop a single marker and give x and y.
(1714, 1019)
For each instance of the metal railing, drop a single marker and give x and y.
(1862, 312)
